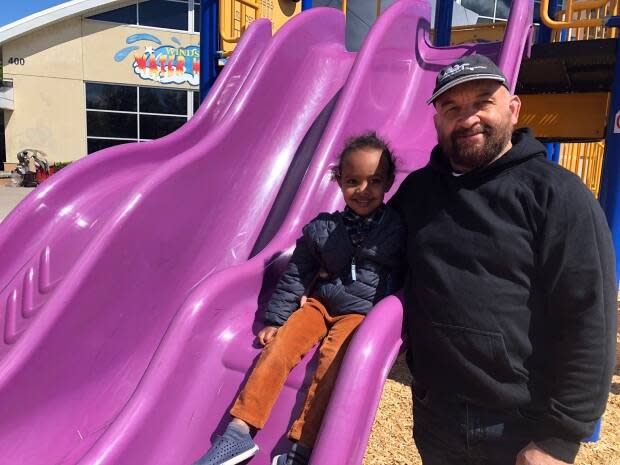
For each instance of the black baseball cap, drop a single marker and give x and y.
(465, 69)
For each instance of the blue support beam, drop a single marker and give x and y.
(209, 42)
(553, 151)
(549, 147)
(306, 5)
(610, 183)
(443, 22)
(544, 33)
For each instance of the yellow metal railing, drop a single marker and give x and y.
(585, 160)
(571, 8)
(576, 32)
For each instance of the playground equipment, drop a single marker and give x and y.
(202, 360)
(135, 352)
(571, 67)
(139, 239)
(96, 393)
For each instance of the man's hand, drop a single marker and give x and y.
(266, 335)
(534, 455)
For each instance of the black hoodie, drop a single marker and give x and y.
(511, 290)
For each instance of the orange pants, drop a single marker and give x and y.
(300, 333)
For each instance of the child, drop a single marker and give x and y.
(346, 261)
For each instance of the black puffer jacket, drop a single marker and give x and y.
(325, 245)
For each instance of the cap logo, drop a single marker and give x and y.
(457, 68)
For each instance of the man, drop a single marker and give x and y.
(511, 294)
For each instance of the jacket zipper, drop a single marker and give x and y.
(353, 264)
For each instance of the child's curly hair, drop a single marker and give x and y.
(367, 140)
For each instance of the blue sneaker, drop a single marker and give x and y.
(230, 448)
(298, 455)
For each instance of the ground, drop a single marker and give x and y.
(9, 197)
(391, 442)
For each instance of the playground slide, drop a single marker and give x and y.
(67, 377)
(182, 400)
(45, 234)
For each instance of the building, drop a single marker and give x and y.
(91, 74)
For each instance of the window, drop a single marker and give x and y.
(156, 100)
(197, 17)
(196, 101)
(489, 11)
(107, 97)
(163, 13)
(166, 14)
(117, 114)
(2, 139)
(125, 15)
(156, 126)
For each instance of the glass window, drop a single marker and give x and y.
(196, 101)
(155, 126)
(113, 113)
(94, 145)
(111, 97)
(106, 124)
(197, 17)
(157, 100)
(163, 13)
(125, 15)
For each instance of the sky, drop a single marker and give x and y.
(12, 10)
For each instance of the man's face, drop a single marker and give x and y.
(474, 123)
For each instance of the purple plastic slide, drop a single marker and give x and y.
(182, 400)
(43, 237)
(96, 262)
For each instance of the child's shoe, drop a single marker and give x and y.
(233, 447)
(298, 455)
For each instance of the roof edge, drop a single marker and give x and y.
(50, 16)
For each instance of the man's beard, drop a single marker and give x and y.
(469, 156)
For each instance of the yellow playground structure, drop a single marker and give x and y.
(236, 15)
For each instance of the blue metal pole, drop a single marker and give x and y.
(549, 147)
(544, 33)
(556, 153)
(306, 5)
(209, 41)
(443, 22)
(553, 151)
(610, 183)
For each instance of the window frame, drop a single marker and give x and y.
(189, 107)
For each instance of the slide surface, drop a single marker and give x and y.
(111, 252)
(46, 233)
(181, 402)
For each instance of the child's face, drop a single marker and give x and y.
(364, 180)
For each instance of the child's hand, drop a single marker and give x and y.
(266, 335)
(303, 300)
